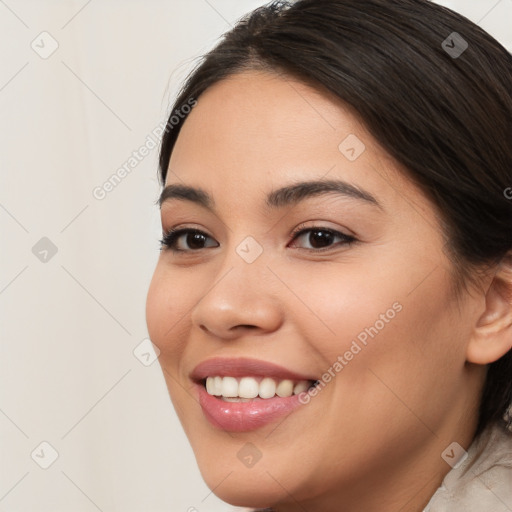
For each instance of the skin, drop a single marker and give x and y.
(382, 423)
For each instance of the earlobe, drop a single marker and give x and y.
(492, 335)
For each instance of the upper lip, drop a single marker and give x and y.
(243, 367)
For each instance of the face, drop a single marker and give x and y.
(344, 282)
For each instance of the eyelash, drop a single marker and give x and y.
(168, 241)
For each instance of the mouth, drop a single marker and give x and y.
(245, 389)
(239, 395)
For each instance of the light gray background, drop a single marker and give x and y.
(69, 325)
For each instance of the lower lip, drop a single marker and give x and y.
(244, 416)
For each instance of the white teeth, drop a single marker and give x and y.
(247, 388)
(285, 388)
(210, 386)
(267, 388)
(229, 387)
(217, 386)
(301, 386)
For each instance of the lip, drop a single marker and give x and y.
(244, 367)
(244, 416)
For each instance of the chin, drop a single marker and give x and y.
(240, 486)
(246, 491)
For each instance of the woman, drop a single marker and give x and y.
(333, 299)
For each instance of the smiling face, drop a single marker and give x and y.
(344, 282)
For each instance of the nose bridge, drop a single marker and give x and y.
(240, 292)
(244, 257)
(243, 274)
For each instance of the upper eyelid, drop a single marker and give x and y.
(298, 231)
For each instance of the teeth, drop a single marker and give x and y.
(229, 387)
(267, 388)
(285, 388)
(301, 386)
(217, 386)
(247, 388)
(210, 386)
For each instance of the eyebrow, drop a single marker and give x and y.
(286, 196)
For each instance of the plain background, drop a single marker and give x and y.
(73, 307)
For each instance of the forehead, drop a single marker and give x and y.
(255, 131)
(259, 113)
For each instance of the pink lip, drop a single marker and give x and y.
(243, 367)
(244, 416)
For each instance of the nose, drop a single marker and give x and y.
(240, 298)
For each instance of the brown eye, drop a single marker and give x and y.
(193, 239)
(322, 238)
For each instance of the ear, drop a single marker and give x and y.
(492, 335)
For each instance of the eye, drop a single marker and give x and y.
(193, 237)
(321, 238)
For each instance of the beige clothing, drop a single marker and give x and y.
(483, 482)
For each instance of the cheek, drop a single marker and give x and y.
(155, 307)
(167, 302)
(387, 303)
(167, 323)
(342, 303)
(378, 323)
(412, 362)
